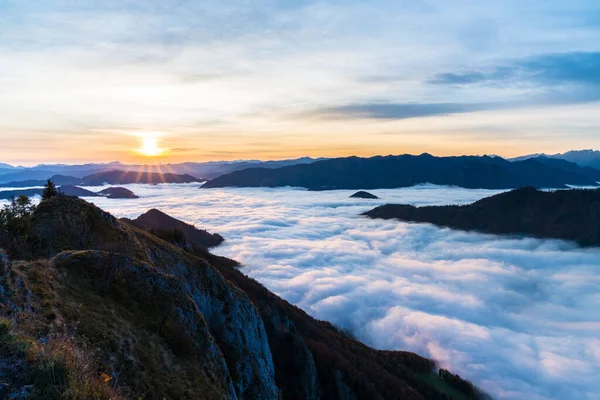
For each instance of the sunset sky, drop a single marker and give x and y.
(84, 81)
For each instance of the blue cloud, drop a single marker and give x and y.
(403, 110)
(581, 68)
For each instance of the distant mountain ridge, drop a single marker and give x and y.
(564, 214)
(204, 170)
(112, 177)
(578, 168)
(127, 177)
(57, 179)
(68, 190)
(408, 170)
(7, 166)
(584, 158)
(71, 190)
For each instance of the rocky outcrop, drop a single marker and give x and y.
(4, 270)
(174, 230)
(238, 329)
(3, 262)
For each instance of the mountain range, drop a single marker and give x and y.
(409, 170)
(576, 168)
(584, 158)
(206, 170)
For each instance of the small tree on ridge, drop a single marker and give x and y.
(49, 190)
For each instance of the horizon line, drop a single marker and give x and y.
(241, 160)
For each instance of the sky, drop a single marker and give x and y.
(96, 81)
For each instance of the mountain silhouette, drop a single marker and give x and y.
(408, 170)
(563, 214)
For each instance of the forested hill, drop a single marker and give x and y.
(563, 214)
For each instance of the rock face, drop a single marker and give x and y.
(315, 360)
(3, 268)
(181, 324)
(564, 214)
(117, 193)
(408, 170)
(363, 195)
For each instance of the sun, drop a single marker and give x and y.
(149, 146)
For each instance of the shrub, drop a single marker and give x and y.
(15, 225)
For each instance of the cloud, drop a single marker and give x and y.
(517, 316)
(581, 68)
(473, 77)
(550, 79)
(400, 110)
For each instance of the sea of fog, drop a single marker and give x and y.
(520, 317)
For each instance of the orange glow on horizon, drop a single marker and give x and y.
(285, 139)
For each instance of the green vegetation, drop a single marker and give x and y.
(446, 387)
(49, 190)
(174, 236)
(15, 225)
(55, 368)
(572, 214)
